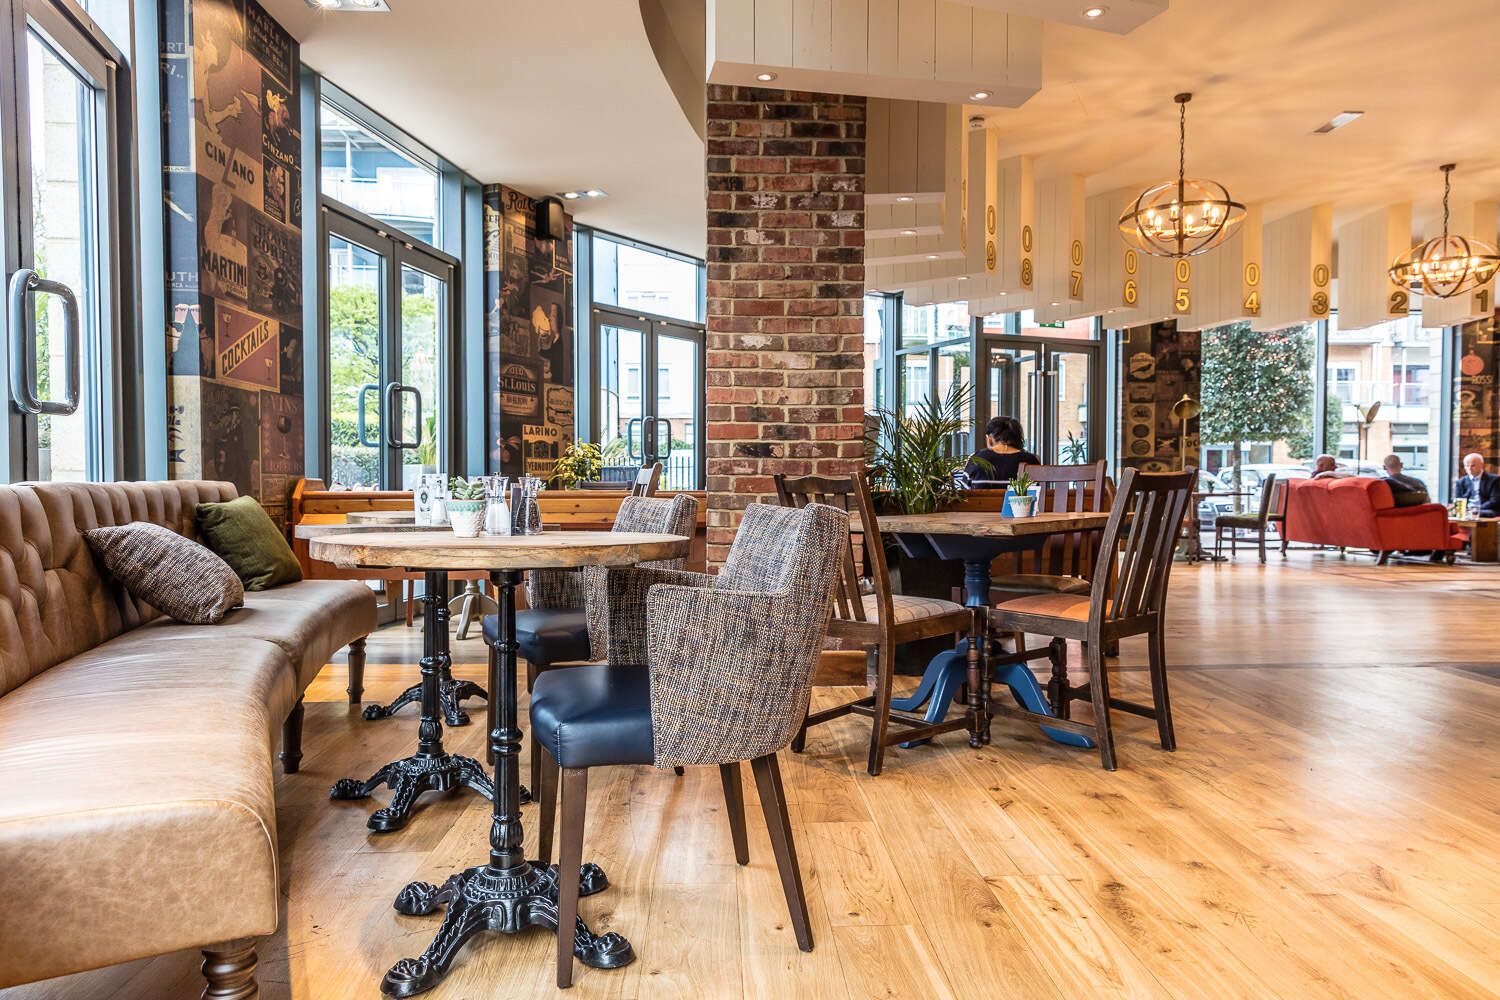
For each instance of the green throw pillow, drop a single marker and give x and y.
(244, 535)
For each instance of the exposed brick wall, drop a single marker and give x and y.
(786, 271)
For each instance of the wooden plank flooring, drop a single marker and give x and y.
(1327, 828)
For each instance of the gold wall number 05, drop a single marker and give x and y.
(1183, 301)
(1320, 304)
(1131, 293)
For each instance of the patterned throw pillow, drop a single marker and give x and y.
(175, 575)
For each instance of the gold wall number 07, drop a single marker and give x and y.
(1075, 284)
(1076, 253)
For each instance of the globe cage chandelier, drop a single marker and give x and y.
(1446, 266)
(1185, 217)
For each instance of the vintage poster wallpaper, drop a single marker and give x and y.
(1158, 364)
(528, 301)
(1477, 400)
(231, 138)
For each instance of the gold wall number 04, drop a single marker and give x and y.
(1252, 302)
(1131, 293)
(1320, 304)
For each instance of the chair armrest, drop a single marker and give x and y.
(731, 671)
(1421, 510)
(554, 588)
(616, 607)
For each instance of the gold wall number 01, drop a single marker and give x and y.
(1320, 304)
(1130, 293)
(1482, 300)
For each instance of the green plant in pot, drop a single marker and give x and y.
(912, 464)
(466, 506)
(1022, 501)
(581, 462)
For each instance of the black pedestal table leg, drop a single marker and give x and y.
(431, 768)
(977, 597)
(509, 893)
(450, 691)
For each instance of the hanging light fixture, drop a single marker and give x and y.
(1185, 217)
(1446, 265)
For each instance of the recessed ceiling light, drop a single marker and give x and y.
(351, 6)
(932, 256)
(1094, 13)
(765, 77)
(1004, 293)
(1057, 303)
(1338, 121)
(963, 277)
(979, 95)
(903, 197)
(593, 193)
(908, 232)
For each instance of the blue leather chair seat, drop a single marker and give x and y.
(593, 715)
(547, 635)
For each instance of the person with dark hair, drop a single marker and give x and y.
(1003, 454)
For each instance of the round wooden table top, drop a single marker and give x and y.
(443, 550)
(381, 517)
(310, 531)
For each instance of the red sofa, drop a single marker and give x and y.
(1359, 513)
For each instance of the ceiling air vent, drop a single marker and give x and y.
(1338, 121)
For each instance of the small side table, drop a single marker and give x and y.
(1484, 537)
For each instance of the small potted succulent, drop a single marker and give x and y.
(1021, 498)
(466, 506)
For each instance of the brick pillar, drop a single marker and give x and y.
(786, 270)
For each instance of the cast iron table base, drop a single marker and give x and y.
(431, 768)
(509, 894)
(451, 691)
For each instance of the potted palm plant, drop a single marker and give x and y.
(1021, 498)
(913, 467)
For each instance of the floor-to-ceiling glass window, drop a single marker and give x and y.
(1258, 390)
(933, 354)
(1048, 378)
(646, 387)
(67, 284)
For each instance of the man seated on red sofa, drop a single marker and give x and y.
(1359, 512)
(1480, 488)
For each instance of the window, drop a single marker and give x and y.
(1342, 382)
(634, 277)
(1403, 359)
(875, 313)
(367, 172)
(1258, 395)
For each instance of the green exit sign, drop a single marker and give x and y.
(1052, 326)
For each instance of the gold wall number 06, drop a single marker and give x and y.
(1130, 293)
(1320, 304)
(1183, 301)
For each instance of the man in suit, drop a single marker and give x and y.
(1480, 488)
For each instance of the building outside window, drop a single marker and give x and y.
(635, 278)
(370, 174)
(1397, 365)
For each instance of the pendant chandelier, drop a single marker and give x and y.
(1185, 217)
(1446, 265)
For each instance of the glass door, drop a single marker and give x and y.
(649, 397)
(1051, 388)
(60, 200)
(388, 316)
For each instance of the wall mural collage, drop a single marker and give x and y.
(232, 138)
(1159, 364)
(1478, 396)
(528, 301)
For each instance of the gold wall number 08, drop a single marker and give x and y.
(1026, 239)
(1025, 272)
(1321, 275)
(1130, 262)
(1184, 270)
(1183, 301)
(1400, 301)
(1077, 253)
(1320, 304)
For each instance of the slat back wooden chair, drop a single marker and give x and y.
(1253, 521)
(647, 480)
(1064, 563)
(870, 615)
(1127, 597)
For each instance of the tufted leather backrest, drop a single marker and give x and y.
(55, 600)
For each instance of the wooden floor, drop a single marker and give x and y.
(1329, 827)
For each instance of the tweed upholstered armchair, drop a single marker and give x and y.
(703, 670)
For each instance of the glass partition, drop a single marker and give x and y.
(365, 171)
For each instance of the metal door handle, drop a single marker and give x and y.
(659, 453)
(398, 439)
(364, 392)
(23, 374)
(630, 428)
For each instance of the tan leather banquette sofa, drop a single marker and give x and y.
(137, 813)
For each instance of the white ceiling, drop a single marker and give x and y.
(546, 96)
(1264, 74)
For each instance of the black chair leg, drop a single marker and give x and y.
(291, 739)
(884, 676)
(773, 804)
(678, 771)
(1099, 689)
(356, 687)
(1157, 642)
(1263, 545)
(575, 793)
(545, 792)
(734, 806)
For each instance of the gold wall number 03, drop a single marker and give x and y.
(1183, 301)
(1026, 239)
(1184, 270)
(1321, 275)
(1320, 304)
(1076, 253)
(1400, 302)
(1131, 293)
(1130, 262)
(1025, 272)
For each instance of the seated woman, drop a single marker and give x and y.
(1004, 452)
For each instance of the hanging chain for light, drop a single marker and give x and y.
(1182, 218)
(1446, 266)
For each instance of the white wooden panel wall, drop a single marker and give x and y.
(1475, 220)
(1227, 280)
(1366, 248)
(1015, 230)
(1298, 269)
(1061, 247)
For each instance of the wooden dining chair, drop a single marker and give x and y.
(1255, 522)
(1127, 597)
(877, 620)
(647, 480)
(1065, 561)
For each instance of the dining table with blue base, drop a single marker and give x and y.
(972, 667)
